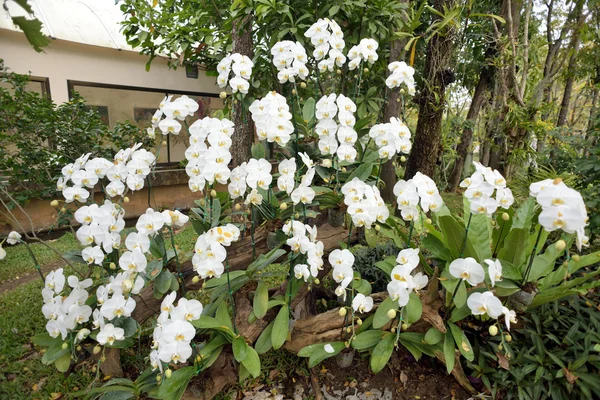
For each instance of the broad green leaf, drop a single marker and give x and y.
(280, 328)
(381, 318)
(243, 373)
(222, 280)
(382, 352)
(362, 286)
(454, 237)
(506, 287)
(205, 322)
(45, 340)
(524, 215)
(436, 247)
(62, 363)
(222, 315)
(265, 260)
(162, 283)
(362, 172)
(258, 151)
(387, 264)
(544, 263)
(174, 387)
(319, 353)
(215, 212)
(584, 261)
(461, 295)
(263, 343)
(449, 352)
(32, 28)
(515, 246)
(129, 325)
(433, 336)
(459, 314)
(413, 309)
(261, 300)
(371, 237)
(154, 268)
(366, 340)
(308, 110)
(55, 352)
(252, 362)
(240, 348)
(479, 235)
(463, 344)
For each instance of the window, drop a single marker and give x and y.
(36, 84)
(137, 105)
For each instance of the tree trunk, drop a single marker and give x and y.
(485, 79)
(591, 119)
(392, 109)
(243, 135)
(437, 75)
(574, 48)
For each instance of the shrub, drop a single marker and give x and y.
(38, 137)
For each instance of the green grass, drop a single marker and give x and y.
(20, 364)
(19, 262)
(21, 318)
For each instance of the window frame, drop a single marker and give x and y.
(45, 85)
(167, 92)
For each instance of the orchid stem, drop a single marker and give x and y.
(410, 232)
(231, 297)
(35, 261)
(531, 257)
(399, 327)
(349, 233)
(378, 172)
(177, 261)
(499, 239)
(252, 232)
(464, 245)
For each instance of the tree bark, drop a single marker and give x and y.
(392, 109)
(243, 135)
(571, 68)
(485, 80)
(437, 75)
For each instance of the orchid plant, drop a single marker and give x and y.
(481, 264)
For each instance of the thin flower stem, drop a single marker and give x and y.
(352, 308)
(379, 172)
(337, 172)
(365, 150)
(494, 254)
(35, 261)
(464, 245)
(230, 296)
(252, 232)
(349, 233)
(399, 327)
(531, 257)
(357, 85)
(290, 280)
(410, 232)
(179, 273)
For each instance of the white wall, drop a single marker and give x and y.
(64, 61)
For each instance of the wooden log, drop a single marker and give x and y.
(239, 255)
(214, 380)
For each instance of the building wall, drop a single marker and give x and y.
(64, 61)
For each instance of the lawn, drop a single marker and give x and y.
(22, 374)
